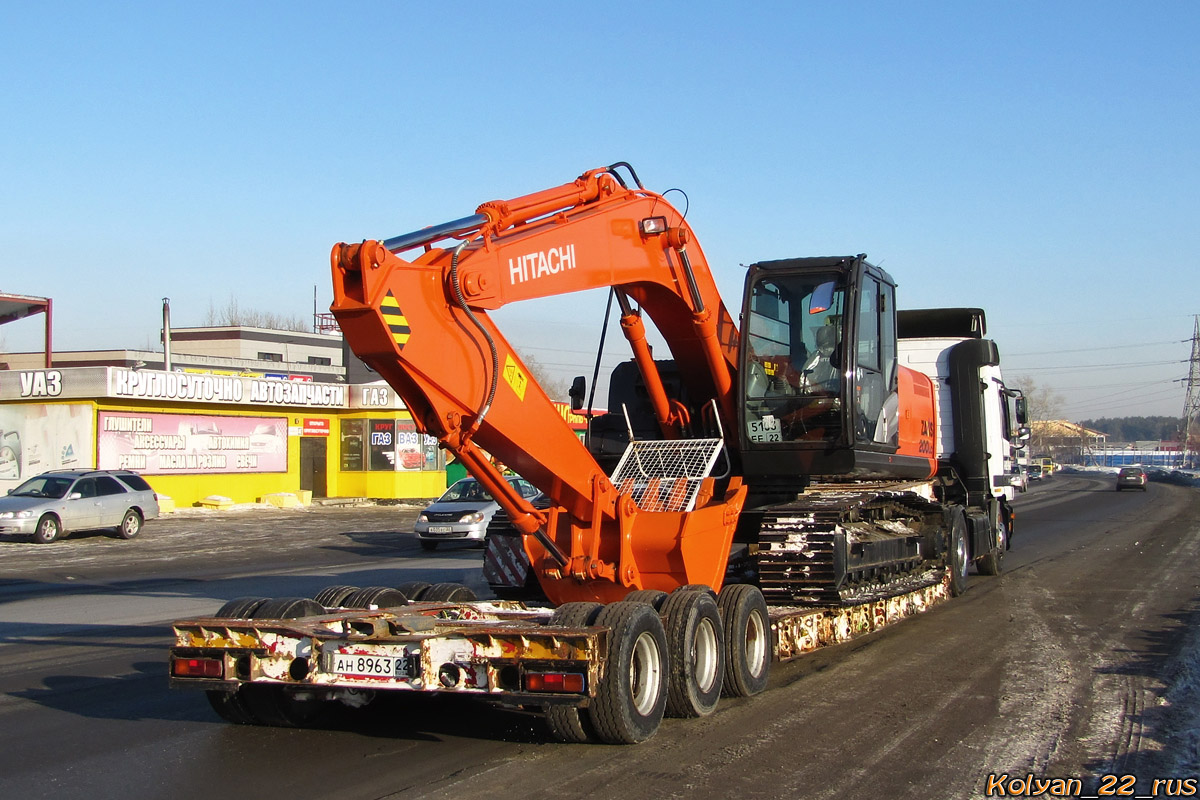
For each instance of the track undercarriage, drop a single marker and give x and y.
(844, 544)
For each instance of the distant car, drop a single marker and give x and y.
(1019, 478)
(1131, 478)
(55, 503)
(463, 513)
(1035, 472)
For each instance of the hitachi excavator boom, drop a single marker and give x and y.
(419, 317)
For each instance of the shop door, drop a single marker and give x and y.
(312, 465)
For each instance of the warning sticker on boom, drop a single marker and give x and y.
(394, 318)
(514, 377)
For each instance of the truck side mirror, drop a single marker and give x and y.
(1022, 411)
(577, 391)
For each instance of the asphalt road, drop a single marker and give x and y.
(1079, 662)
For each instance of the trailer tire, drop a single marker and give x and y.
(448, 592)
(632, 696)
(958, 557)
(280, 706)
(747, 639)
(334, 596)
(414, 590)
(993, 562)
(696, 652)
(240, 608)
(568, 723)
(378, 596)
(230, 706)
(651, 597)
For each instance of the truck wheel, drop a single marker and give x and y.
(568, 723)
(413, 590)
(958, 556)
(282, 706)
(448, 592)
(651, 597)
(131, 524)
(747, 639)
(993, 562)
(334, 596)
(48, 529)
(696, 650)
(378, 596)
(632, 695)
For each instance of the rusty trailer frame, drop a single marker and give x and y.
(483, 648)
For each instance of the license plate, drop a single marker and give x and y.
(371, 666)
(766, 430)
(441, 529)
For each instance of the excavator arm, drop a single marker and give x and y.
(415, 309)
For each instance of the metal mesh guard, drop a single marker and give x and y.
(666, 475)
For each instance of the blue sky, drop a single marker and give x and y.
(1037, 159)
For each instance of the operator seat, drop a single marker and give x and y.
(821, 371)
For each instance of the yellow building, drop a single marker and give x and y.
(195, 436)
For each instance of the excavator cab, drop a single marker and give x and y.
(819, 390)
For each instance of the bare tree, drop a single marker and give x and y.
(556, 388)
(233, 314)
(1044, 403)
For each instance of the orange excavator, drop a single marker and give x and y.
(804, 438)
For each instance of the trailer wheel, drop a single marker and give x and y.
(240, 608)
(448, 592)
(334, 596)
(230, 706)
(413, 590)
(632, 695)
(993, 562)
(958, 556)
(378, 596)
(283, 706)
(651, 597)
(696, 649)
(568, 723)
(747, 639)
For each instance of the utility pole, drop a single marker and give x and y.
(1191, 406)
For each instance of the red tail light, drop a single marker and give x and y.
(198, 668)
(571, 682)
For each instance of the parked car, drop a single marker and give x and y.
(463, 512)
(1131, 478)
(55, 503)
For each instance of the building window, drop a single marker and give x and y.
(352, 444)
(321, 360)
(270, 357)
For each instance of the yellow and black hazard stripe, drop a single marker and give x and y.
(396, 321)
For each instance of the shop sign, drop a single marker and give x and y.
(182, 386)
(163, 444)
(382, 442)
(315, 426)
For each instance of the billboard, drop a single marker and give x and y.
(37, 438)
(169, 444)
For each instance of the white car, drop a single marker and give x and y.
(463, 512)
